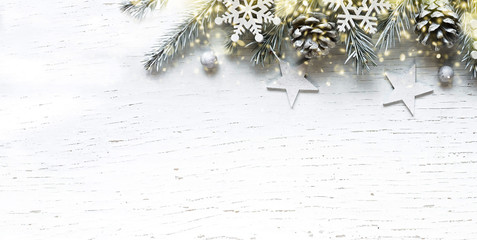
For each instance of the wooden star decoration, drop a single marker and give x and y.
(405, 88)
(292, 81)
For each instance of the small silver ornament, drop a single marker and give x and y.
(446, 74)
(208, 60)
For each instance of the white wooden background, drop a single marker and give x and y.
(94, 147)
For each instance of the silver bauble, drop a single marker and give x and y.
(446, 74)
(208, 60)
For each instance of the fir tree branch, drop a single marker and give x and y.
(230, 46)
(358, 44)
(470, 63)
(360, 47)
(463, 6)
(466, 41)
(472, 6)
(181, 38)
(272, 42)
(284, 9)
(140, 8)
(276, 35)
(394, 23)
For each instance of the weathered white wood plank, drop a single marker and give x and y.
(93, 147)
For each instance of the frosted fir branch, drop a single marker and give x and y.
(466, 41)
(272, 43)
(358, 44)
(181, 37)
(464, 6)
(394, 23)
(470, 63)
(287, 8)
(140, 8)
(231, 47)
(284, 7)
(472, 6)
(360, 48)
(274, 38)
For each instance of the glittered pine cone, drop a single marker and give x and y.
(313, 35)
(437, 24)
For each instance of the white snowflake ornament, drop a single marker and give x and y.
(247, 15)
(364, 14)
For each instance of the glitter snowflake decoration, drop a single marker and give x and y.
(247, 15)
(363, 14)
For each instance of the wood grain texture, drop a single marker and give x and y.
(93, 147)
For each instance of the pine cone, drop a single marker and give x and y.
(437, 24)
(313, 35)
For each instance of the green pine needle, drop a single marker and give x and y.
(466, 41)
(275, 37)
(140, 8)
(360, 48)
(395, 22)
(272, 43)
(184, 34)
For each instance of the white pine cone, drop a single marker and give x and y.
(437, 24)
(313, 35)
